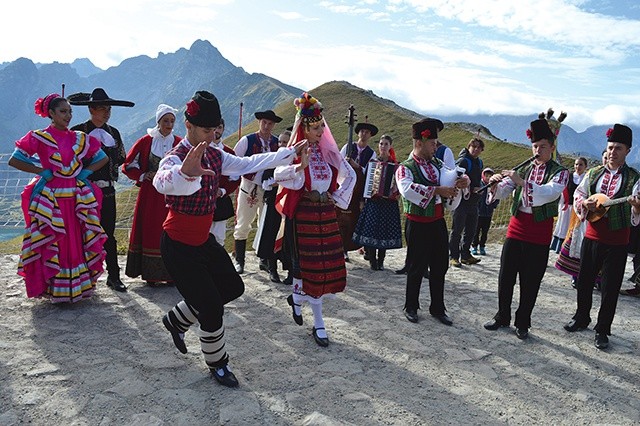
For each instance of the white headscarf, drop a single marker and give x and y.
(161, 144)
(161, 111)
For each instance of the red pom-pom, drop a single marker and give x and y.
(529, 133)
(193, 108)
(609, 132)
(425, 133)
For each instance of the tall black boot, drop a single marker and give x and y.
(371, 257)
(240, 247)
(273, 271)
(381, 254)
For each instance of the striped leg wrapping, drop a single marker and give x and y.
(183, 316)
(212, 345)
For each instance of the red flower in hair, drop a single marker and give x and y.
(425, 133)
(193, 108)
(529, 133)
(38, 108)
(609, 132)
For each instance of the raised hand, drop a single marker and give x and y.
(192, 164)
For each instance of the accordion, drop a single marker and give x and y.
(380, 180)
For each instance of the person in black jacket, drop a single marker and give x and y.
(100, 104)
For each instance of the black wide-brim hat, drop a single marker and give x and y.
(433, 125)
(97, 97)
(621, 134)
(268, 115)
(367, 126)
(540, 130)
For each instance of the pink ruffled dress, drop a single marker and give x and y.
(62, 248)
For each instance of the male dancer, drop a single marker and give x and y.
(604, 247)
(203, 272)
(105, 178)
(421, 186)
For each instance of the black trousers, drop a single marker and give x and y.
(205, 277)
(612, 260)
(528, 262)
(427, 248)
(465, 219)
(108, 223)
(482, 231)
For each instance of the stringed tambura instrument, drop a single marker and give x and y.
(603, 204)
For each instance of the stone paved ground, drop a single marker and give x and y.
(109, 360)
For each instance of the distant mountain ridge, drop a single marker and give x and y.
(172, 78)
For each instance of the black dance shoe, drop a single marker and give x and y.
(321, 341)
(225, 377)
(494, 324)
(601, 341)
(402, 271)
(116, 284)
(574, 325)
(411, 315)
(522, 333)
(178, 341)
(296, 318)
(264, 265)
(444, 318)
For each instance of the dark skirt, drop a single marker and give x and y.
(379, 225)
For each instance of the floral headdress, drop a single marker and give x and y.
(41, 106)
(309, 109)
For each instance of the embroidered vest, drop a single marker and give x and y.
(419, 178)
(254, 146)
(620, 214)
(203, 201)
(364, 157)
(545, 211)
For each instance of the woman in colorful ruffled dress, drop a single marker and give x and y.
(62, 248)
(143, 257)
(309, 192)
(378, 228)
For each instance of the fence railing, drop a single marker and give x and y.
(12, 183)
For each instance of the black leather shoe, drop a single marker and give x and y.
(444, 318)
(380, 266)
(321, 341)
(296, 318)
(225, 377)
(274, 277)
(239, 267)
(288, 280)
(402, 271)
(522, 333)
(175, 335)
(264, 265)
(426, 274)
(116, 284)
(601, 341)
(494, 325)
(411, 314)
(574, 325)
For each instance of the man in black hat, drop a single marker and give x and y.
(100, 110)
(604, 247)
(423, 183)
(358, 155)
(250, 198)
(536, 189)
(189, 176)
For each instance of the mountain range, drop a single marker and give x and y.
(172, 78)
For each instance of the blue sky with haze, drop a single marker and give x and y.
(435, 57)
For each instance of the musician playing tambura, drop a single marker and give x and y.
(421, 183)
(378, 228)
(605, 242)
(536, 189)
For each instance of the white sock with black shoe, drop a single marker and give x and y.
(318, 320)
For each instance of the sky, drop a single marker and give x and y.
(435, 57)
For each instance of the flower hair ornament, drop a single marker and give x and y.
(609, 131)
(41, 105)
(309, 109)
(425, 134)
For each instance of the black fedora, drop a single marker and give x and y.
(268, 115)
(367, 126)
(97, 97)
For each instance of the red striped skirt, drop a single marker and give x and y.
(320, 251)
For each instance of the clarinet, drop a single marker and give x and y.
(519, 166)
